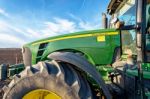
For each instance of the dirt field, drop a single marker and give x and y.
(2, 83)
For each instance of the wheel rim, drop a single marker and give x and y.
(41, 94)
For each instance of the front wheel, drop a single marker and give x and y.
(48, 80)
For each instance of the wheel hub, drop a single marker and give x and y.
(41, 94)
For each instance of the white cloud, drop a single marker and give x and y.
(7, 40)
(11, 39)
(3, 12)
(84, 25)
(60, 26)
(57, 27)
(12, 35)
(74, 17)
(88, 26)
(66, 25)
(33, 33)
(9, 29)
(63, 26)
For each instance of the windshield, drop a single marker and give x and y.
(127, 14)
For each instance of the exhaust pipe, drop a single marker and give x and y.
(104, 21)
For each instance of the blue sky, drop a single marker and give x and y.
(23, 21)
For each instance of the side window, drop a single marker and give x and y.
(128, 41)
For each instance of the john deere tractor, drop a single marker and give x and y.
(110, 63)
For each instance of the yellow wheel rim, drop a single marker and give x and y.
(41, 94)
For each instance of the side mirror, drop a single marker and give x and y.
(115, 23)
(119, 24)
(114, 20)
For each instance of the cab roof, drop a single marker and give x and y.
(113, 5)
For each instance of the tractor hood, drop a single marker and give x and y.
(83, 41)
(68, 36)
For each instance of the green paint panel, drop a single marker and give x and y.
(146, 71)
(96, 51)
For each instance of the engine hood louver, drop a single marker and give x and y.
(41, 50)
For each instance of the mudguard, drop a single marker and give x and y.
(84, 65)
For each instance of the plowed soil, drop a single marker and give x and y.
(2, 84)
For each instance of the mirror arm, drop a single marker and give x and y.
(128, 27)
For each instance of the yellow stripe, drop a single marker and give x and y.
(75, 36)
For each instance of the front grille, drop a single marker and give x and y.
(41, 50)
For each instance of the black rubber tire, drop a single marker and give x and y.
(57, 77)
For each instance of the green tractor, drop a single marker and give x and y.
(110, 63)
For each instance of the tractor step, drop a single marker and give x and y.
(116, 91)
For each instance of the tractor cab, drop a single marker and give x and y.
(125, 15)
(123, 18)
(132, 19)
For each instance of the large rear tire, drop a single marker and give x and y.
(56, 77)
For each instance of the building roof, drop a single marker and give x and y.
(6, 49)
